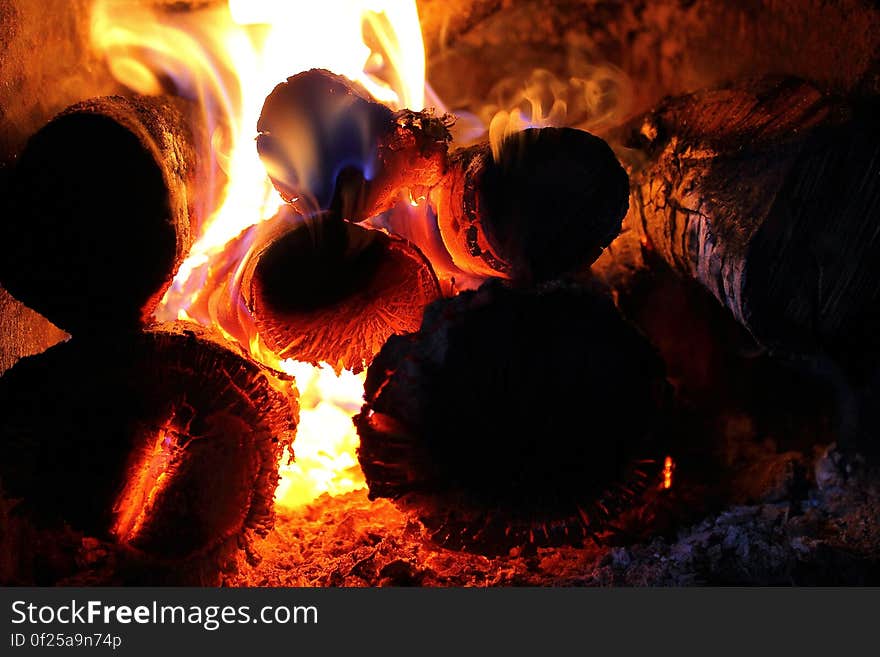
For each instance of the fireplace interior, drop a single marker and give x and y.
(432, 293)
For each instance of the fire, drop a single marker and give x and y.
(227, 59)
(327, 402)
(150, 476)
(668, 468)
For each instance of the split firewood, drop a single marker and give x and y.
(514, 416)
(547, 206)
(768, 194)
(23, 332)
(329, 291)
(164, 442)
(326, 142)
(102, 210)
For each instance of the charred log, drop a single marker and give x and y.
(165, 443)
(514, 417)
(768, 195)
(102, 210)
(325, 141)
(546, 206)
(329, 291)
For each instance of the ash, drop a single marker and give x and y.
(824, 532)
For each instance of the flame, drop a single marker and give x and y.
(227, 59)
(668, 468)
(327, 402)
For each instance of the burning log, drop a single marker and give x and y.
(514, 417)
(329, 291)
(165, 442)
(324, 137)
(549, 204)
(768, 195)
(546, 206)
(103, 210)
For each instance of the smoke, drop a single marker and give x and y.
(596, 99)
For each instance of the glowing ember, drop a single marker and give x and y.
(668, 468)
(151, 474)
(228, 59)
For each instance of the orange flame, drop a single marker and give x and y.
(668, 468)
(228, 58)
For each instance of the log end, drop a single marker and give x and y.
(514, 417)
(164, 443)
(97, 220)
(327, 144)
(547, 206)
(337, 298)
(313, 127)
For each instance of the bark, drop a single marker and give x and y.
(767, 193)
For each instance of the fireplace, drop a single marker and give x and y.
(439, 293)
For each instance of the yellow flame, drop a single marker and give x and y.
(228, 59)
(668, 469)
(327, 402)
